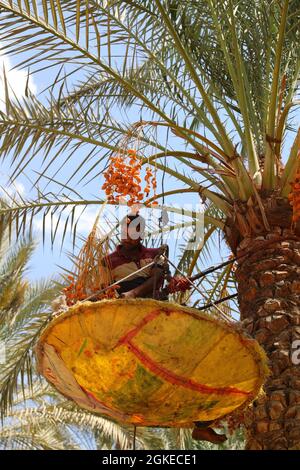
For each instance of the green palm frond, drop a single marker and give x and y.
(22, 311)
(43, 409)
(30, 319)
(59, 209)
(28, 438)
(12, 286)
(192, 66)
(31, 22)
(59, 415)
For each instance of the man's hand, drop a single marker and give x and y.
(163, 250)
(129, 295)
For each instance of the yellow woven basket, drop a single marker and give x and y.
(150, 363)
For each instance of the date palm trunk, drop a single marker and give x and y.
(268, 280)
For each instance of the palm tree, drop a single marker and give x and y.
(221, 78)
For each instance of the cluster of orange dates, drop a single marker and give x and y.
(123, 179)
(294, 197)
(76, 292)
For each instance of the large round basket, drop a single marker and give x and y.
(150, 363)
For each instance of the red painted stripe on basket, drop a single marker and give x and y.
(177, 380)
(132, 333)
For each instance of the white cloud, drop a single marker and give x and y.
(14, 190)
(84, 225)
(17, 187)
(16, 78)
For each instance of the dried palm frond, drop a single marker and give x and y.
(92, 269)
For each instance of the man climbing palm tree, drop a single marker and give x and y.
(128, 258)
(131, 256)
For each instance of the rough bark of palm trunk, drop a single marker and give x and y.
(269, 297)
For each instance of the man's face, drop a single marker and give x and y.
(131, 233)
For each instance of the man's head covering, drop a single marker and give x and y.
(133, 225)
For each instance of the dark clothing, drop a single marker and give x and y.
(126, 286)
(122, 265)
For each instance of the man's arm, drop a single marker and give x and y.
(147, 286)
